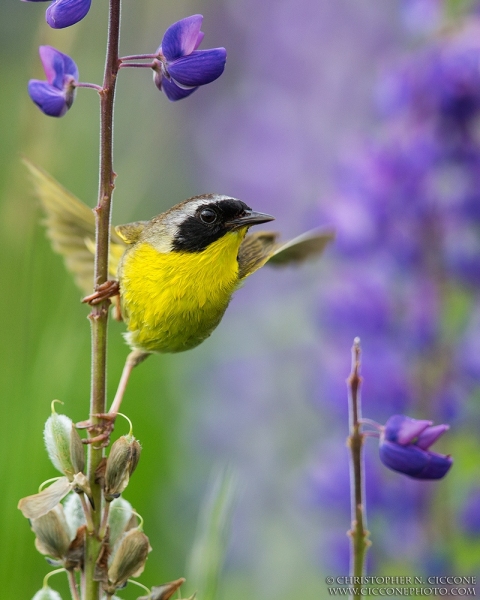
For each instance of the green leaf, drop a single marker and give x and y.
(209, 548)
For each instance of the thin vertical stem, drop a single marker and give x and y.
(87, 513)
(99, 314)
(358, 532)
(73, 585)
(103, 526)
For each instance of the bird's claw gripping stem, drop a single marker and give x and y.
(106, 290)
(103, 429)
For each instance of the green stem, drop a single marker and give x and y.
(99, 315)
(358, 532)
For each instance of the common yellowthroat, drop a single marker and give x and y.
(176, 272)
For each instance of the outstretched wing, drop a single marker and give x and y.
(71, 228)
(262, 247)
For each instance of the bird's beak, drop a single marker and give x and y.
(250, 218)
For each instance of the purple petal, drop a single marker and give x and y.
(430, 435)
(70, 67)
(201, 35)
(200, 67)
(48, 98)
(157, 78)
(53, 65)
(404, 430)
(182, 37)
(437, 467)
(413, 461)
(174, 91)
(63, 13)
(57, 66)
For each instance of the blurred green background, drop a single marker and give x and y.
(162, 155)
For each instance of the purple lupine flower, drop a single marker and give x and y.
(180, 68)
(404, 447)
(63, 13)
(54, 96)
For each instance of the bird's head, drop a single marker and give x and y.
(194, 224)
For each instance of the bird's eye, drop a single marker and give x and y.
(207, 215)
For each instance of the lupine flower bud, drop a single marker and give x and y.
(63, 13)
(121, 463)
(165, 591)
(129, 559)
(53, 534)
(181, 68)
(64, 445)
(404, 447)
(56, 95)
(118, 519)
(47, 593)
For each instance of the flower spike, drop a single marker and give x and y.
(64, 13)
(54, 96)
(180, 68)
(404, 447)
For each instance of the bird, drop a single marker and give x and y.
(175, 274)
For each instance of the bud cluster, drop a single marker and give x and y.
(62, 515)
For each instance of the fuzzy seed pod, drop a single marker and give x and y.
(47, 593)
(53, 533)
(118, 519)
(64, 445)
(74, 514)
(121, 463)
(129, 559)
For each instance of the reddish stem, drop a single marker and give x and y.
(99, 315)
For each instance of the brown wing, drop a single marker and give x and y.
(254, 251)
(71, 228)
(261, 247)
(305, 246)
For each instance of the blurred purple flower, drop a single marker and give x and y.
(181, 68)
(442, 83)
(422, 16)
(470, 514)
(63, 13)
(54, 96)
(404, 447)
(358, 304)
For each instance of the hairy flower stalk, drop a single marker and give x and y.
(99, 314)
(358, 532)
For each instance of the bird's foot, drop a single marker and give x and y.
(117, 309)
(106, 290)
(103, 429)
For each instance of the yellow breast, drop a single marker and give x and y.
(173, 301)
